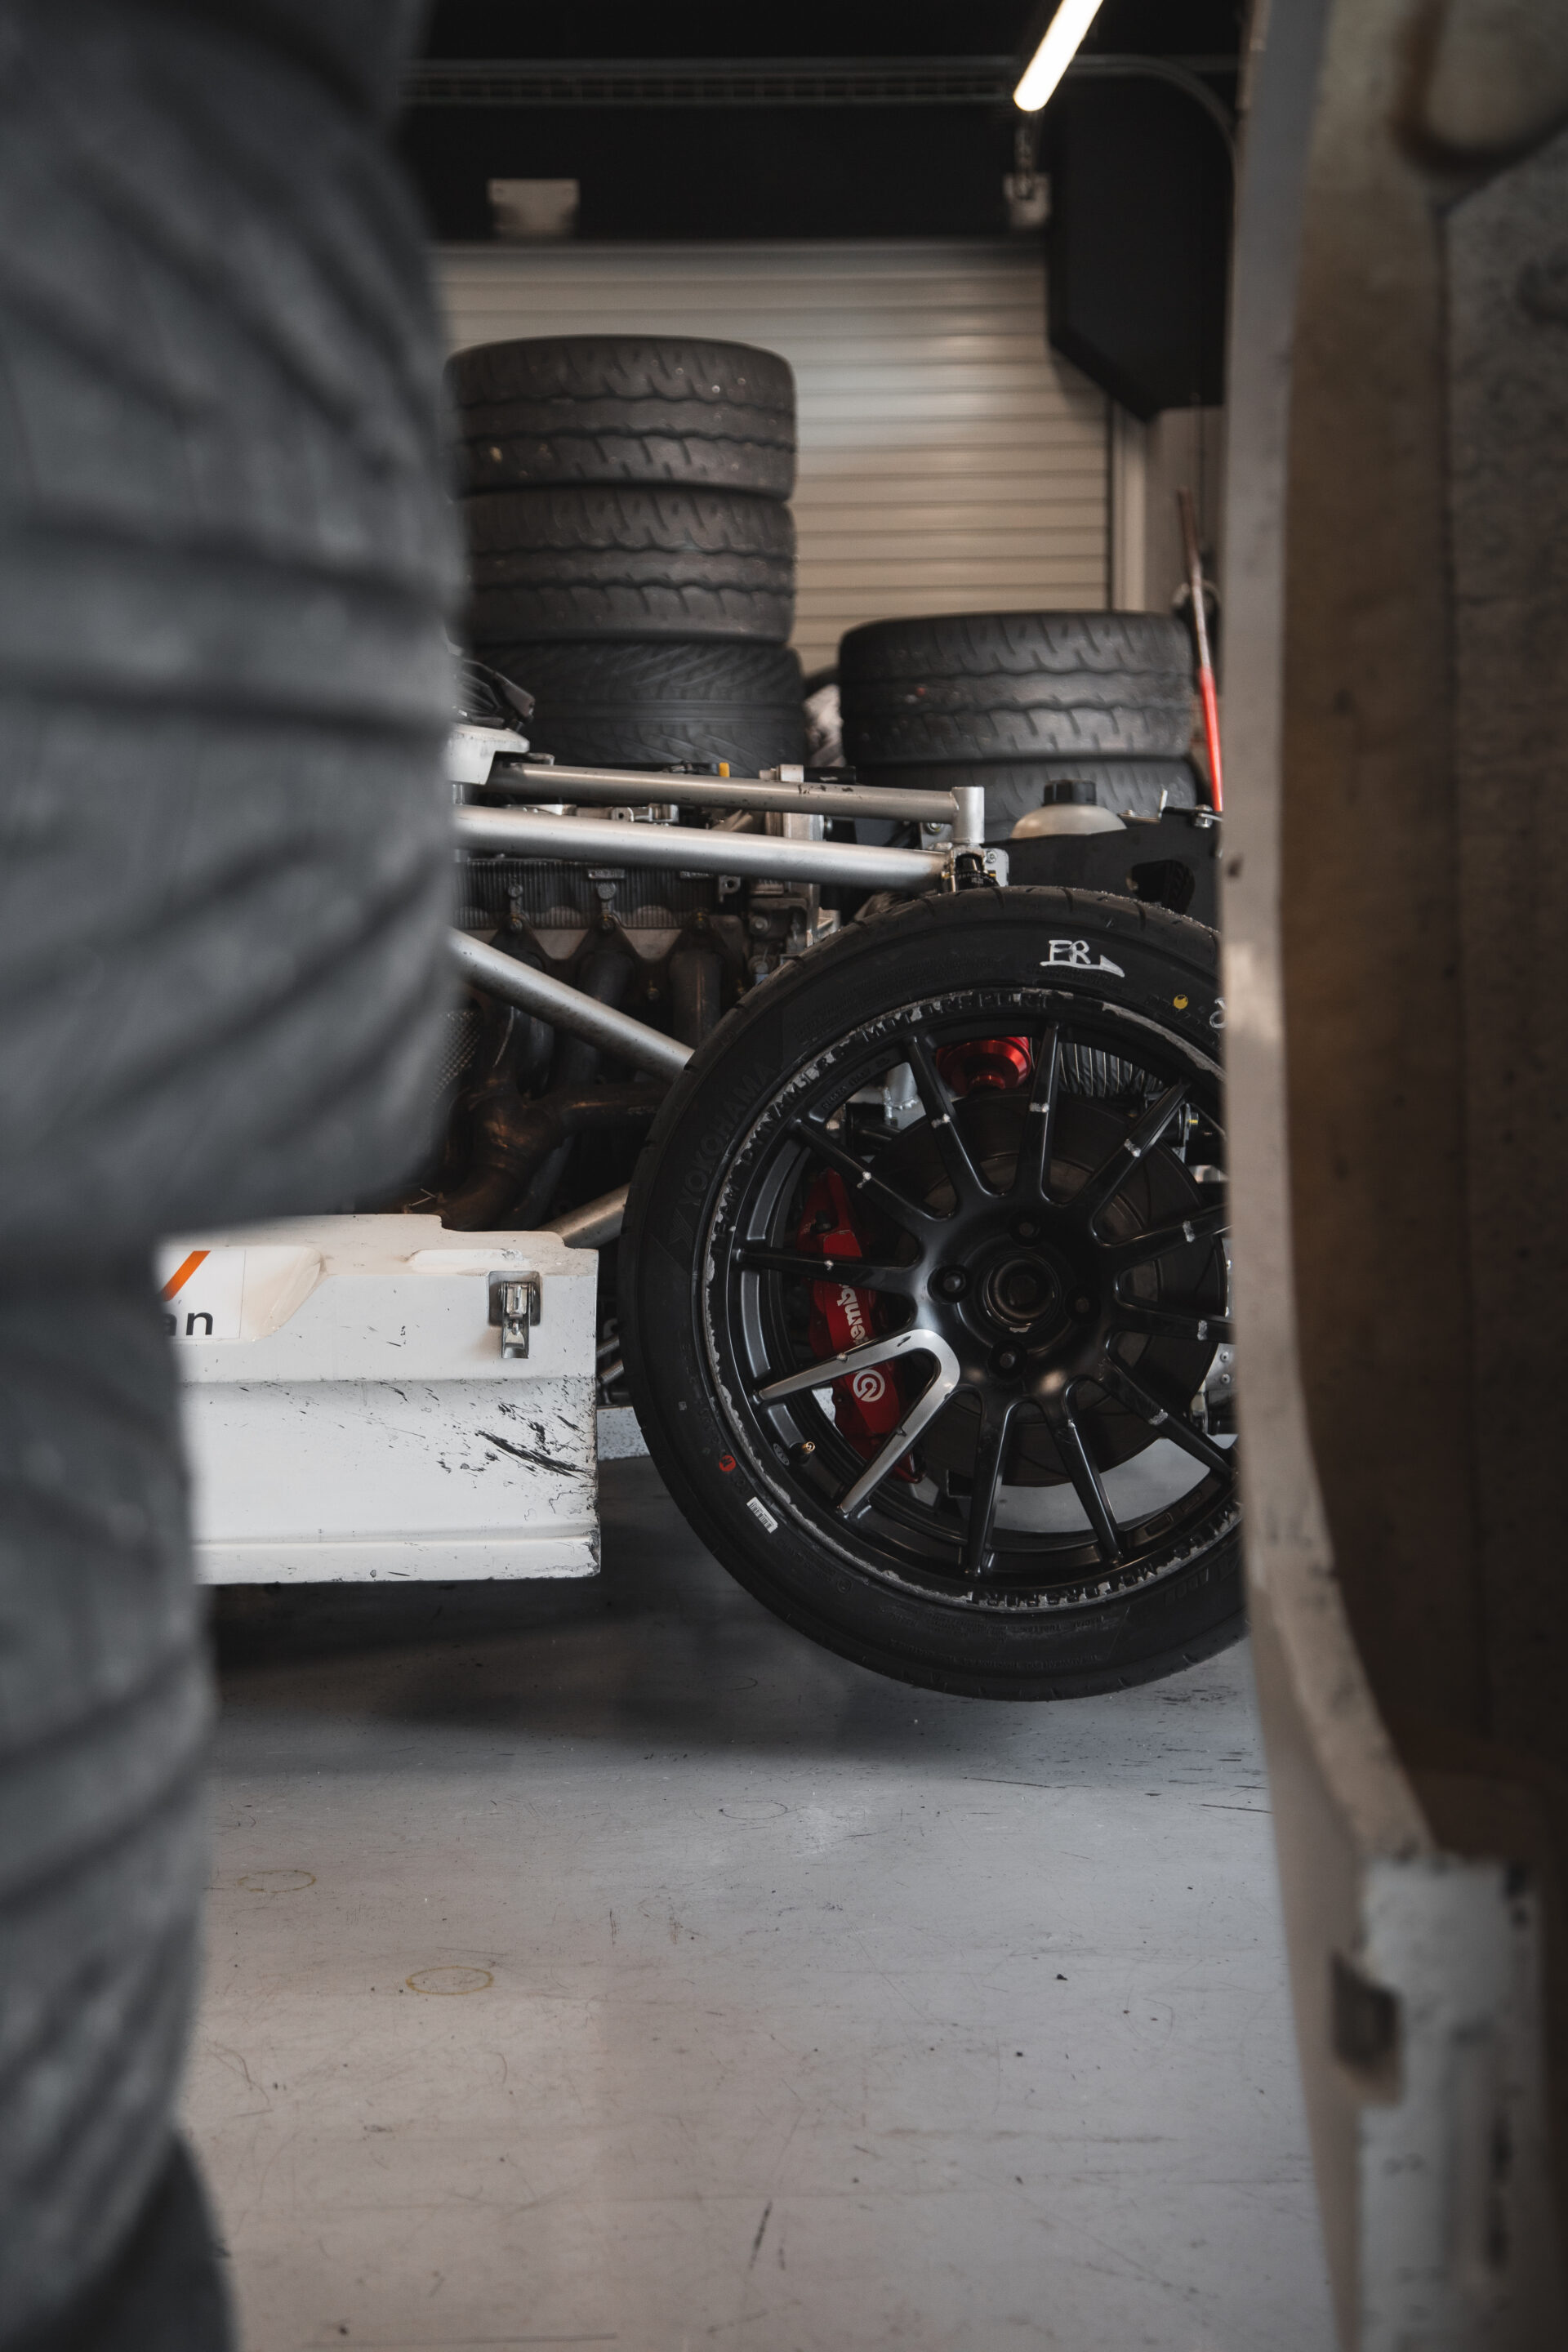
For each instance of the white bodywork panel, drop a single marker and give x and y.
(349, 1412)
(471, 750)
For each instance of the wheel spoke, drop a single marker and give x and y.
(961, 1173)
(1088, 1484)
(1143, 1136)
(1118, 1384)
(909, 1212)
(1032, 1176)
(1171, 1322)
(920, 1414)
(1144, 1247)
(996, 1417)
(860, 1274)
(917, 1341)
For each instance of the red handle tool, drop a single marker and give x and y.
(1206, 693)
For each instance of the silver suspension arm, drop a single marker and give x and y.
(693, 849)
(624, 787)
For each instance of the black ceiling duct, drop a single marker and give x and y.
(1139, 243)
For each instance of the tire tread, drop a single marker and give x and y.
(601, 409)
(619, 702)
(990, 686)
(623, 561)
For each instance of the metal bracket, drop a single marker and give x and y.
(515, 1302)
(974, 869)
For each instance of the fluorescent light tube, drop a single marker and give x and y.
(1056, 53)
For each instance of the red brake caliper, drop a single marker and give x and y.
(865, 1405)
(987, 1065)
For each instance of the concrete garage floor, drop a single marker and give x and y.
(604, 1965)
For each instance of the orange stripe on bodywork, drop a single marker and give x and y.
(183, 1273)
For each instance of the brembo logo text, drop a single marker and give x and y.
(850, 1306)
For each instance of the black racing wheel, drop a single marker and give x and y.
(924, 1295)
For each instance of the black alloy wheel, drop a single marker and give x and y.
(981, 1444)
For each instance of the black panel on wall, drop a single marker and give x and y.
(1137, 248)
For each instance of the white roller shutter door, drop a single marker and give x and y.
(949, 460)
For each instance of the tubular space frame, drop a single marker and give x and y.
(616, 784)
(690, 849)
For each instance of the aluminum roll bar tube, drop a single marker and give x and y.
(595, 1222)
(568, 1008)
(618, 785)
(693, 849)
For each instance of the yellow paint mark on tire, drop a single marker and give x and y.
(449, 1981)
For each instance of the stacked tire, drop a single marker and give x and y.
(1031, 705)
(631, 547)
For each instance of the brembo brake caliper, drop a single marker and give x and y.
(865, 1405)
(986, 1065)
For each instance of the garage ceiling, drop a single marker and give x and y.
(858, 118)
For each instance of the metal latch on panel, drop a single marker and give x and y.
(515, 1301)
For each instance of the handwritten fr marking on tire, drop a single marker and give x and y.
(1075, 955)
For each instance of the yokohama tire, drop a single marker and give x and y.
(617, 563)
(623, 704)
(1104, 966)
(624, 408)
(225, 558)
(986, 686)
